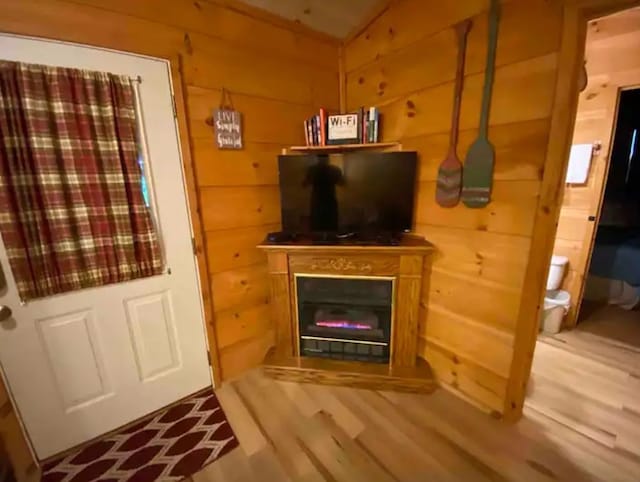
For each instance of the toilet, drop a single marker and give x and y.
(556, 271)
(556, 301)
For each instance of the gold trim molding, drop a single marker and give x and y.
(341, 264)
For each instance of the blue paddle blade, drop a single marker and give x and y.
(477, 176)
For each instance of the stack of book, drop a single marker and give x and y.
(369, 125)
(317, 131)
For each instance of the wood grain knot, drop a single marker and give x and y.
(255, 165)
(411, 107)
(187, 44)
(243, 282)
(236, 255)
(361, 80)
(6, 409)
(542, 469)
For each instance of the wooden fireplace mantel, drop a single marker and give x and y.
(403, 263)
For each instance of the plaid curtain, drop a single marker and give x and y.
(72, 213)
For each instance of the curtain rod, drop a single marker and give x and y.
(136, 79)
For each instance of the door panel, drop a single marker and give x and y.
(87, 362)
(79, 374)
(152, 327)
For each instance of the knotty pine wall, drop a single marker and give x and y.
(404, 62)
(13, 446)
(278, 74)
(613, 62)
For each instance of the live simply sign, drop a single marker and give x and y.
(228, 125)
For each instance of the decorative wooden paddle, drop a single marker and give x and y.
(450, 171)
(477, 178)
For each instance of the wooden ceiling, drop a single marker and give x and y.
(336, 18)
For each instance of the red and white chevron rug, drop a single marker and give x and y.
(168, 446)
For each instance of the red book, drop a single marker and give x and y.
(323, 126)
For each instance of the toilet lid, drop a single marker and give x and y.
(559, 260)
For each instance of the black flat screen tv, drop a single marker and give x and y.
(359, 193)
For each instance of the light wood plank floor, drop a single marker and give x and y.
(610, 322)
(590, 384)
(304, 432)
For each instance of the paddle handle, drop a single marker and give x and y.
(494, 18)
(462, 30)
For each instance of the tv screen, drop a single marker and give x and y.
(347, 193)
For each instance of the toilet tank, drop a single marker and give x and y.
(556, 272)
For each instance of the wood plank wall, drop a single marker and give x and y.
(277, 74)
(13, 445)
(613, 62)
(404, 62)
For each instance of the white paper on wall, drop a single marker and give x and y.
(579, 163)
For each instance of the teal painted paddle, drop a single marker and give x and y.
(449, 180)
(477, 179)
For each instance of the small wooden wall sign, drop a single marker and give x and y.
(228, 128)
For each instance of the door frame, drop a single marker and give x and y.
(576, 14)
(176, 65)
(18, 446)
(571, 320)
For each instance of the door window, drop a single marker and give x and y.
(74, 195)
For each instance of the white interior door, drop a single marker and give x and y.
(84, 363)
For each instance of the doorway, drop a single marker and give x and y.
(586, 376)
(86, 362)
(610, 306)
(599, 226)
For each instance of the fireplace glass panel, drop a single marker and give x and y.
(345, 318)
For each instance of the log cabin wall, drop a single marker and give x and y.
(278, 74)
(613, 62)
(404, 62)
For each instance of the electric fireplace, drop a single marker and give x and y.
(345, 317)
